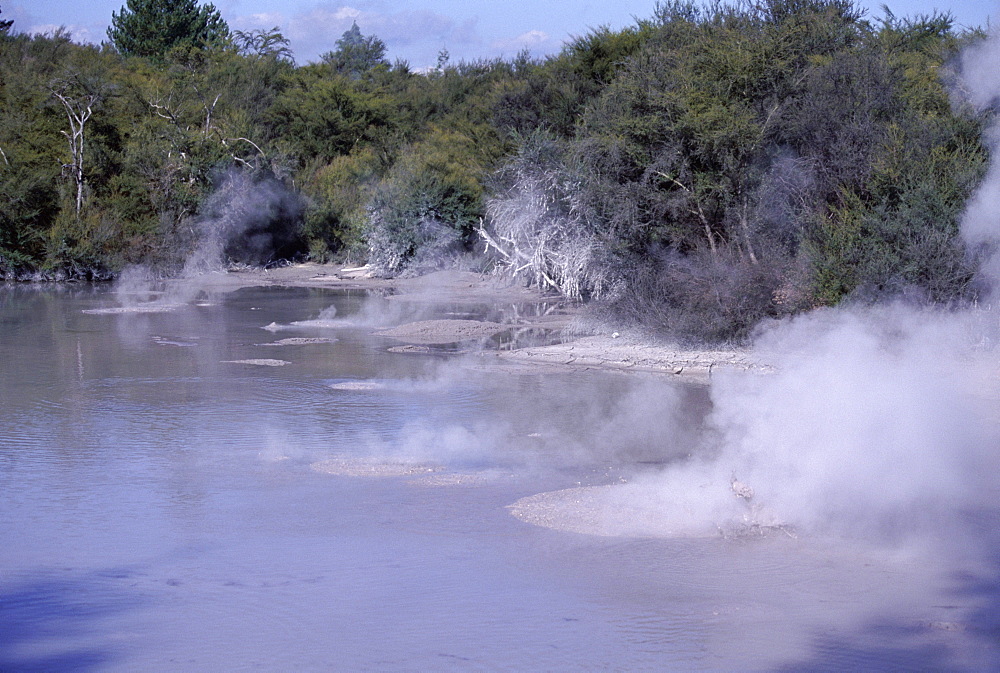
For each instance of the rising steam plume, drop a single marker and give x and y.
(981, 223)
(247, 220)
(875, 422)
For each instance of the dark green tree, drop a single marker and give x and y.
(152, 28)
(5, 26)
(356, 54)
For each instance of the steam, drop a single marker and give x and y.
(246, 221)
(981, 223)
(870, 426)
(878, 423)
(374, 313)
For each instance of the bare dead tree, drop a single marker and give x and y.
(79, 108)
(166, 110)
(209, 109)
(538, 234)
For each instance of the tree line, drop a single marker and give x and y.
(696, 172)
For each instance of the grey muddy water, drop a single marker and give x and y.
(181, 489)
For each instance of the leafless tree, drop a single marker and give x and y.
(538, 232)
(79, 106)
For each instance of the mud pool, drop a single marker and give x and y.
(181, 489)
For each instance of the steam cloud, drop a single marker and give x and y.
(876, 423)
(246, 220)
(981, 224)
(869, 427)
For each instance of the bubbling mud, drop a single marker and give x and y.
(443, 331)
(450, 479)
(649, 508)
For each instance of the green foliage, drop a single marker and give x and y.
(338, 194)
(264, 44)
(708, 167)
(31, 144)
(901, 235)
(538, 95)
(425, 210)
(356, 55)
(154, 28)
(324, 117)
(745, 161)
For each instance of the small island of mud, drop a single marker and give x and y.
(579, 346)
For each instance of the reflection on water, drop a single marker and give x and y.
(167, 508)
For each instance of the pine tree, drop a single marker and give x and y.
(152, 28)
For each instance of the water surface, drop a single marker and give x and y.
(160, 510)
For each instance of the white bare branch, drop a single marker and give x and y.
(538, 234)
(78, 111)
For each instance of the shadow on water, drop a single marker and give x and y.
(964, 637)
(60, 622)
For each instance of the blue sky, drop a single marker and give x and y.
(416, 30)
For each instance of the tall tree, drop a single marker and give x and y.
(356, 54)
(152, 28)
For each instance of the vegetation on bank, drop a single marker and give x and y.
(703, 169)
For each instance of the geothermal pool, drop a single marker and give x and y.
(181, 489)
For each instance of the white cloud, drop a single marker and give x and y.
(412, 35)
(79, 34)
(264, 21)
(533, 40)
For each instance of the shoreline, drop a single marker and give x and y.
(588, 350)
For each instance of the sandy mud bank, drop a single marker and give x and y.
(605, 351)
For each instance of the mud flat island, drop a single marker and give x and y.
(587, 351)
(629, 354)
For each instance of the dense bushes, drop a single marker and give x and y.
(710, 166)
(747, 161)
